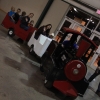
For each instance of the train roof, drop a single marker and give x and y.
(78, 33)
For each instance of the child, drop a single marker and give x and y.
(25, 20)
(31, 23)
(12, 12)
(22, 15)
(16, 16)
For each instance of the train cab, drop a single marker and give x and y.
(15, 29)
(69, 59)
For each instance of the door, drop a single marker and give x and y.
(66, 23)
(78, 28)
(92, 62)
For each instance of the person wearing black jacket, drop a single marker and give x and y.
(23, 14)
(44, 30)
(16, 16)
(25, 20)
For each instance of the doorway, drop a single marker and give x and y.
(66, 23)
(69, 23)
(94, 58)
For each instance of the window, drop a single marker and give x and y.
(78, 16)
(96, 40)
(87, 32)
(93, 23)
(98, 28)
(66, 24)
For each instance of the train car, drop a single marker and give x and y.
(15, 29)
(69, 70)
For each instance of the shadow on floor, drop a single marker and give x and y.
(35, 77)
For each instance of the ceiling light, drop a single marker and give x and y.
(87, 18)
(75, 9)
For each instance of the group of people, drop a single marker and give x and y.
(26, 23)
(25, 20)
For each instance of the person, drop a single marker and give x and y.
(51, 35)
(16, 16)
(31, 23)
(12, 12)
(44, 30)
(25, 20)
(67, 44)
(97, 71)
(22, 15)
(98, 90)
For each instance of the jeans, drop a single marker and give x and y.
(24, 27)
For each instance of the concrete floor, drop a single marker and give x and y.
(20, 79)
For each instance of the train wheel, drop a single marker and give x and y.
(48, 84)
(11, 32)
(31, 49)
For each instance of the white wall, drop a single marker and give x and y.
(34, 6)
(55, 14)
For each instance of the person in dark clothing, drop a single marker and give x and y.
(44, 30)
(97, 71)
(25, 20)
(67, 44)
(31, 23)
(16, 16)
(22, 15)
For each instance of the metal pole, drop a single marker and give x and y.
(49, 3)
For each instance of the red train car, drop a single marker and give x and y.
(15, 29)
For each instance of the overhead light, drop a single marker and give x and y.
(75, 9)
(88, 19)
(93, 22)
